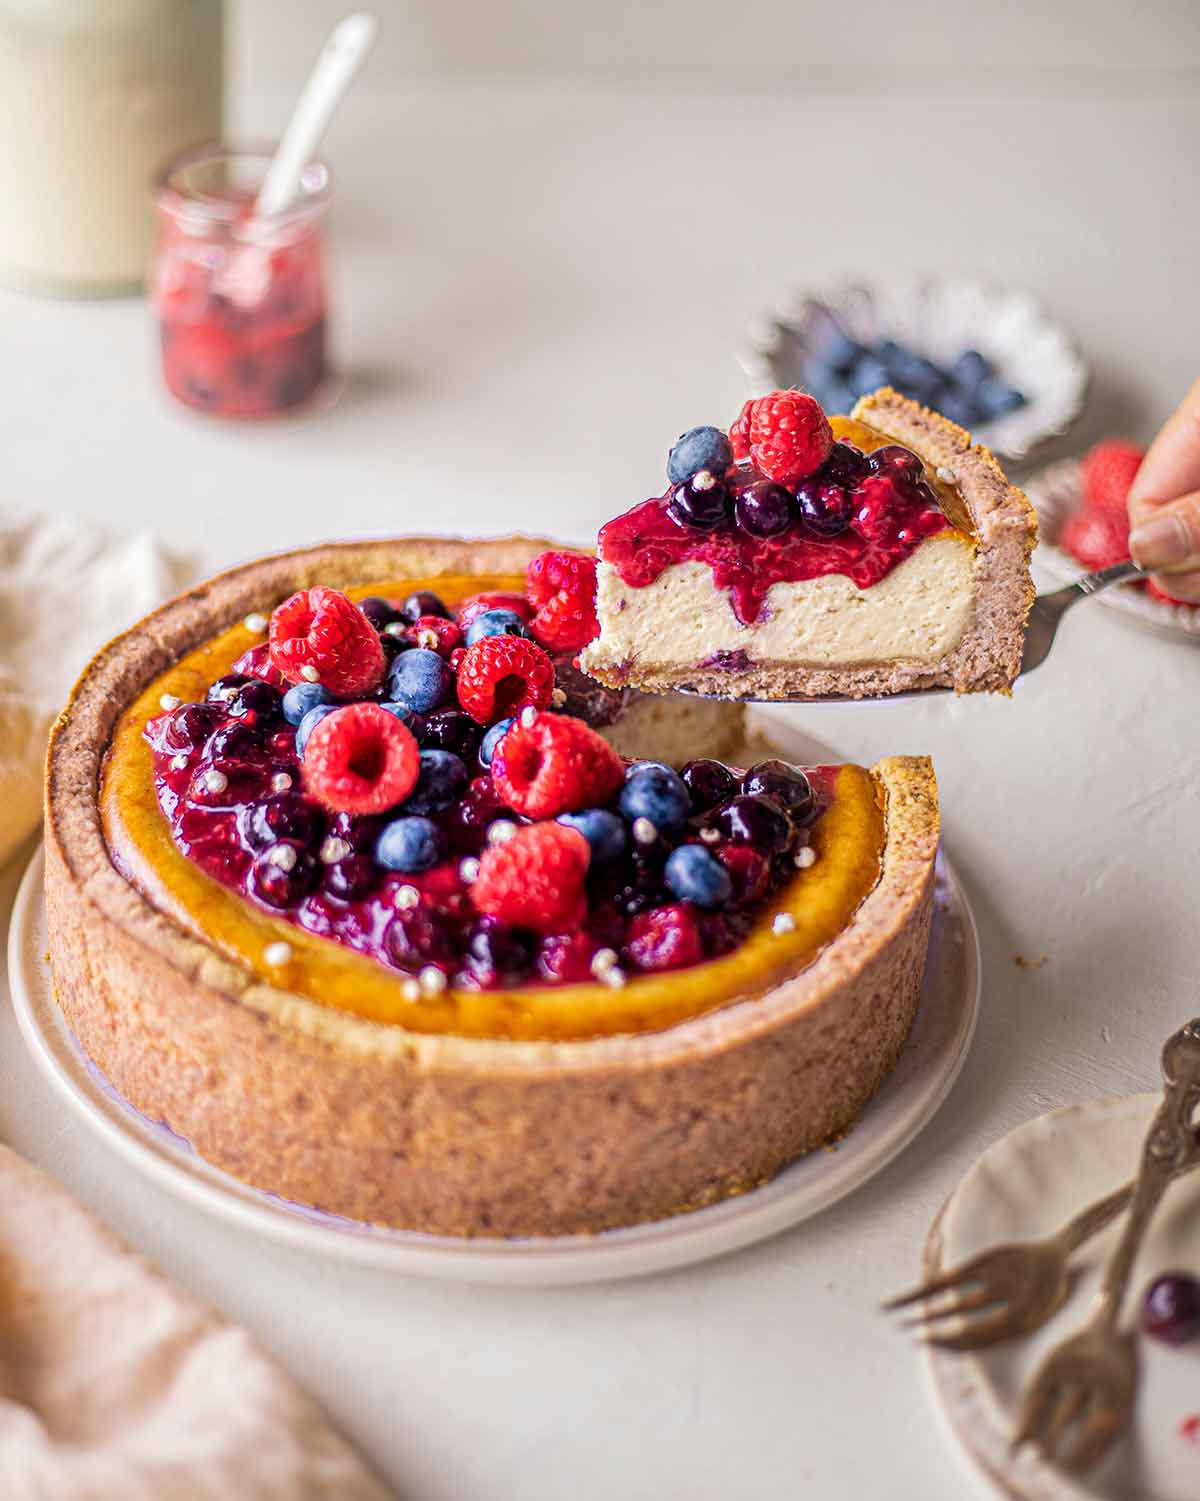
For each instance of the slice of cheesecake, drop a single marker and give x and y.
(856, 556)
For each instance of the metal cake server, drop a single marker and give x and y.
(1044, 619)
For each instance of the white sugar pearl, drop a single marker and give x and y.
(614, 977)
(335, 849)
(215, 781)
(277, 954)
(168, 701)
(281, 782)
(805, 857)
(703, 479)
(501, 830)
(406, 898)
(602, 961)
(468, 870)
(528, 715)
(431, 980)
(310, 674)
(396, 630)
(178, 762)
(783, 922)
(256, 622)
(411, 990)
(644, 831)
(282, 855)
(710, 836)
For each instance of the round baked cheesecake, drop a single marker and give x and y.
(349, 885)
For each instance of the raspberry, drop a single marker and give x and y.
(256, 663)
(665, 938)
(435, 632)
(739, 433)
(535, 879)
(1107, 473)
(555, 765)
(497, 599)
(790, 436)
(501, 675)
(360, 759)
(563, 587)
(321, 636)
(1096, 539)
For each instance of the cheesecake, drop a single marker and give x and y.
(347, 887)
(811, 556)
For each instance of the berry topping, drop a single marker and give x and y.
(299, 700)
(498, 954)
(562, 587)
(535, 879)
(703, 503)
(360, 759)
(256, 663)
(555, 765)
(257, 703)
(826, 507)
(435, 634)
(496, 599)
(756, 820)
(487, 746)
(319, 636)
(410, 844)
(788, 785)
(655, 793)
(422, 603)
(749, 872)
(1171, 1308)
(699, 448)
(496, 622)
(285, 815)
(501, 675)
(664, 938)
(283, 875)
(708, 783)
(1107, 472)
(763, 508)
(696, 876)
(419, 680)
(441, 780)
(605, 833)
(790, 436)
(739, 433)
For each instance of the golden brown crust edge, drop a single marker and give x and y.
(987, 659)
(452, 1135)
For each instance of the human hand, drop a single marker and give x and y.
(1164, 503)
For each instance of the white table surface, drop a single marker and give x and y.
(537, 290)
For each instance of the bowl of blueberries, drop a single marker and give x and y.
(987, 359)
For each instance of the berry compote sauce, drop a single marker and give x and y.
(241, 301)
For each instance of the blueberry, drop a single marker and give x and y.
(970, 368)
(440, 781)
(419, 679)
(763, 508)
(409, 718)
(846, 465)
(756, 820)
(838, 351)
(703, 503)
(256, 702)
(708, 783)
(309, 723)
(604, 832)
(378, 611)
(699, 448)
(284, 815)
(283, 875)
(696, 876)
(496, 623)
(786, 784)
(299, 700)
(655, 792)
(895, 461)
(498, 954)
(422, 603)
(1171, 1308)
(190, 725)
(916, 375)
(236, 741)
(995, 398)
(452, 730)
(487, 746)
(410, 844)
(869, 374)
(826, 507)
(960, 407)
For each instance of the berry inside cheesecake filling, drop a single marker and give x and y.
(409, 782)
(782, 498)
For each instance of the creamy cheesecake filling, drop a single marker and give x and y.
(917, 613)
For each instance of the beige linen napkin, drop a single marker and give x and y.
(66, 588)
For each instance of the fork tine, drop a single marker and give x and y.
(1067, 1406)
(978, 1334)
(970, 1300)
(960, 1276)
(1096, 1434)
(1034, 1404)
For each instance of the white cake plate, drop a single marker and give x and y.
(920, 1082)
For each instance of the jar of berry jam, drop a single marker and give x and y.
(241, 299)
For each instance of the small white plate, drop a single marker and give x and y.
(920, 1082)
(1024, 1186)
(1055, 493)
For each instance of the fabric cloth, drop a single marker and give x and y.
(114, 1383)
(66, 588)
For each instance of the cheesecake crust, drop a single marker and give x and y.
(454, 1135)
(988, 656)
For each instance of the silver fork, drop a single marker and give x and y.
(1009, 1290)
(1081, 1396)
(1044, 619)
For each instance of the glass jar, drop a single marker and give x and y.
(241, 301)
(94, 96)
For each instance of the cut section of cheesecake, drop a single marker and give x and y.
(903, 564)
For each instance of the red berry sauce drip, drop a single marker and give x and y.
(230, 784)
(891, 510)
